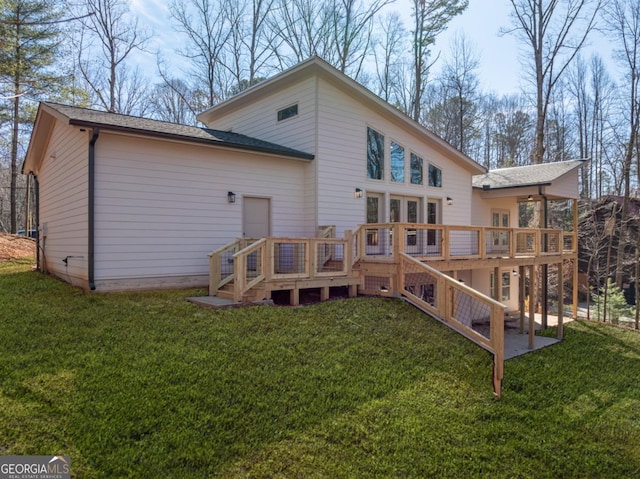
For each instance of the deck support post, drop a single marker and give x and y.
(533, 272)
(575, 260)
(560, 331)
(324, 293)
(294, 297)
(521, 296)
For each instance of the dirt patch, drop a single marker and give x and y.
(14, 247)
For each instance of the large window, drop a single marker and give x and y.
(397, 163)
(416, 169)
(375, 155)
(435, 176)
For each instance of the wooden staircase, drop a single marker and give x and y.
(250, 270)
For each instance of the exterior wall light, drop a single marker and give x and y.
(231, 197)
(449, 200)
(530, 198)
(358, 193)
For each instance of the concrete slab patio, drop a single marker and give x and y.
(516, 343)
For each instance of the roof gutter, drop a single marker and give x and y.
(492, 188)
(91, 207)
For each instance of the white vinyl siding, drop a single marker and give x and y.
(483, 209)
(259, 119)
(341, 158)
(63, 180)
(161, 206)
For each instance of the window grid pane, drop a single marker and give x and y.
(416, 169)
(372, 209)
(397, 163)
(375, 154)
(435, 176)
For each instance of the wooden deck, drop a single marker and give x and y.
(399, 260)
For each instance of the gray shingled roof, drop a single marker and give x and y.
(144, 126)
(521, 176)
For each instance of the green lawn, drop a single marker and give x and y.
(148, 385)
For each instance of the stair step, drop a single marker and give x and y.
(224, 293)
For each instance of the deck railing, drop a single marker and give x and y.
(446, 242)
(475, 316)
(248, 263)
(221, 263)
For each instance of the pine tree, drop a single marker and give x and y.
(615, 304)
(30, 41)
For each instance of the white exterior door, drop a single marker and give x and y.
(256, 217)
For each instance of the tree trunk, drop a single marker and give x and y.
(14, 157)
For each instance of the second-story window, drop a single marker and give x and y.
(416, 169)
(375, 154)
(435, 176)
(288, 112)
(397, 163)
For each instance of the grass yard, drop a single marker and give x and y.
(146, 385)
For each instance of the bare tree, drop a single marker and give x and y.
(623, 21)
(388, 56)
(339, 31)
(430, 18)
(454, 113)
(171, 101)
(603, 92)
(512, 132)
(555, 31)
(304, 30)
(108, 39)
(591, 91)
(248, 54)
(352, 27)
(207, 29)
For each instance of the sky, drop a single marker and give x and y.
(500, 68)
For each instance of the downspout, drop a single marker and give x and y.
(36, 188)
(91, 218)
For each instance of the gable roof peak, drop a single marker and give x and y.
(317, 66)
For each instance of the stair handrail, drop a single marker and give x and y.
(216, 281)
(326, 231)
(444, 311)
(241, 285)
